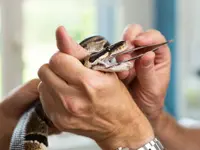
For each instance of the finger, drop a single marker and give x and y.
(69, 68)
(51, 99)
(60, 110)
(124, 74)
(154, 37)
(47, 101)
(50, 105)
(55, 85)
(50, 78)
(145, 71)
(130, 77)
(66, 45)
(130, 33)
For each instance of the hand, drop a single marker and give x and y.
(91, 103)
(153, 69)
(148, 80)
(12, 108)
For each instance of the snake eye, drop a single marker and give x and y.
(117, 46)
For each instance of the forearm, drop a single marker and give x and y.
(5, 131)
(4, 141)
(173, 136)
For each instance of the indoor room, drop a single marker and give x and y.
(28, 40)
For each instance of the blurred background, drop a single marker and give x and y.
(27, 37)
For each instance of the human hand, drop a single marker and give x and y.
(90, 103)
(12, 108)
(148, 80)
(149, 87)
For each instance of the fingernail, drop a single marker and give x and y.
(147, 63)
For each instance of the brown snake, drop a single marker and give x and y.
(32, 130)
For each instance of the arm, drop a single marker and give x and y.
(149, 90)
(174, 136)
(88, 102)
(12, 107)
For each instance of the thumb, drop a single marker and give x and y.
(145, 71)
(67, 45)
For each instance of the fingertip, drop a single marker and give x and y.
(61, 38)
(67, 45)
(61, 32)
(131, 31)
(123, 75)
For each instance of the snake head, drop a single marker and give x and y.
(104, 59)
(102, 55)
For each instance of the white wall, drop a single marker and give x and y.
(139, 12)
(12, 65)
(188, 43)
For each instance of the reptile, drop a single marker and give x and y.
(33, 128)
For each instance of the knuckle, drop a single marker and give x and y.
(156, 33)
(73, 107)
(100, 87)
(40, 87)
(131, 31)
(41, 70)
(56, 59)
(136, 27)
(34, 81)
(157, 94)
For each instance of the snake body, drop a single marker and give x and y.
(32, 130)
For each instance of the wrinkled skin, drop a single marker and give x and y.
(148, 80)
(90, 103)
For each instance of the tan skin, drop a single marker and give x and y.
(12, 108)
(92, 104)
(151, 85)
(53, 94)
(149, 90)
(173, 136)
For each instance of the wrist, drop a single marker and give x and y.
(162, 124)
(132, 136)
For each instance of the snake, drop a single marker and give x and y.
(33, 127)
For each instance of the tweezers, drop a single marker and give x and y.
(138, 52)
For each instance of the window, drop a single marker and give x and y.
(42, 17)
(189, 62)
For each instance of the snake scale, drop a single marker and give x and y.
(32, 130)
